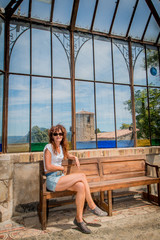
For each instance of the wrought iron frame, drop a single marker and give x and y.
(71, 53)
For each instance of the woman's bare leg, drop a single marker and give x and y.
(68, 181)
(80, 199)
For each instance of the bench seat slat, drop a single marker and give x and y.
(123, 183)
(109, 185)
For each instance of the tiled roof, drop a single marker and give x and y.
(111, 135)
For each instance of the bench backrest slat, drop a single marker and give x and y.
(89, 167)
(122, 167)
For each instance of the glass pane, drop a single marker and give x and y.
(142, 120)
(153, 66)
(23, 9)
(154, 106)
(83, 57)
(85, 115)
(62, 105)
(139, 20)
(19, 48)
(41, 9)
(104, 15)
(4, 3)
(124, 116)
(105, 116)
(62, 11)
(156, 5)
(152, 31)
(138, 58)
(85, 13)
(103, 61)
(123, 16)
(1, 109)
(61, 54)
(18, 113)
(2, 44)
(41, 52)
(121, 62)
(41, 112)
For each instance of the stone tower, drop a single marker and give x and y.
(85, 130)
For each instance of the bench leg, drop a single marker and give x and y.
(102, 203)
(42, 211)
(158, 190)
(109, 196)
(148, 192)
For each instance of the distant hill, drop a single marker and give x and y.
(38, 135)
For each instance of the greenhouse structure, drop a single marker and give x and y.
(92, 66)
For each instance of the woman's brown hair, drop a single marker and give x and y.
(64, 142)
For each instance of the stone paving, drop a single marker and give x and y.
(133, 219)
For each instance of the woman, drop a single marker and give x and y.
(54, 153)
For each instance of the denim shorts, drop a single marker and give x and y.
(52, 179)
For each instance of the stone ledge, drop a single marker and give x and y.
(38, 156)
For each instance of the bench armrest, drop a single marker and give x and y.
(43, 182)
(155, 166)
(44, 177)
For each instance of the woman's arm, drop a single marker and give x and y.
(49, 166)
(72, 157)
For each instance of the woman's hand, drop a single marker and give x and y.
(77, 162)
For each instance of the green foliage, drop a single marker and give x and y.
(152, 58)
(154, 106)
(125, 126)
(98, 130)
(39, 135)
(142, 113)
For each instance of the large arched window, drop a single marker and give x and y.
(146, 94)
(39, 85)
(40, 90)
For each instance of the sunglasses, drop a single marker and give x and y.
(58, 134)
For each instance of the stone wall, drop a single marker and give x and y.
(19, 175)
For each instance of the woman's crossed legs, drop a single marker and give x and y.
(77, 182)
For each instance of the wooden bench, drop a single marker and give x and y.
(104, 174)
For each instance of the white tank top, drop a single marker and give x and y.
(55, 159)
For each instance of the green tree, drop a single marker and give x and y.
(39, 135)
(154, 106)
(142, 114)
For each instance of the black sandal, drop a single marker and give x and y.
(82, 226)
